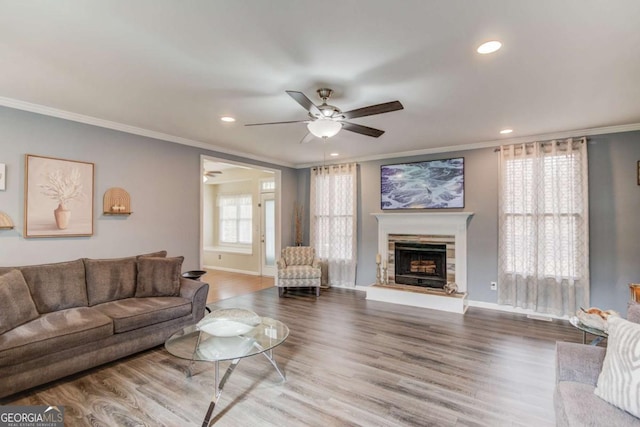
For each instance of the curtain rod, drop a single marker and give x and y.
(551, 141)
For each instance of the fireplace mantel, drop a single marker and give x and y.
(432, 224)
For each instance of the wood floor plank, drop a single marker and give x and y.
(348, 362)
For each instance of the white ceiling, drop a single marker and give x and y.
(171, 69)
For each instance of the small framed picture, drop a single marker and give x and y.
(3, 176)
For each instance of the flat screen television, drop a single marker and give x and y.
(432, 184)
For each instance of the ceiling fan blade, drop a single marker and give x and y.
(373, 109)
(306, 103)
(364, 130)
(276, 123)
(307, 138)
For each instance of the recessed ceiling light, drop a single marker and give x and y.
(227, 119)
(489, 47)
(506, 131)
(334, 154)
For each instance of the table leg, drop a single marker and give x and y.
(584, 337)
(269, 356)
(219, 386)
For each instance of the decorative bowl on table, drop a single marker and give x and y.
(595, 318)
(229, 322)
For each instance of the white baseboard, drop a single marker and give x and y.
(516, 310)
(232, 270)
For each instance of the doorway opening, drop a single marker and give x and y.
(240, 217)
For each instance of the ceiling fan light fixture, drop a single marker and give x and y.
(489, 47)
(324, 128)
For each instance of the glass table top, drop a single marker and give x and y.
(593, 331)
(195, 344)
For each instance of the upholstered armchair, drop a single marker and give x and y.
(298, 267)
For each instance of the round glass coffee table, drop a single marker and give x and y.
(218, 337)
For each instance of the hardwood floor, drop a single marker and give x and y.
(348, 362)
(223, 284)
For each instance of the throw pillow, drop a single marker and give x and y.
(110, 279)
(159, 277)
(55, 287)
(16, 305)
(159, 254)
(619, 381)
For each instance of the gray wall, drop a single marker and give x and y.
(162, 178)
(614, 224)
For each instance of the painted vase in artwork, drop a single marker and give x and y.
(62, 215)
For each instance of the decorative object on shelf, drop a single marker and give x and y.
(229, 322)
(69, 183)
(434, 184)
(116, 201)
(635, 292)
(5, 221)
(3, 176)
(451, 288)
(378, 261)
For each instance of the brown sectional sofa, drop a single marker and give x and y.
(60, 319)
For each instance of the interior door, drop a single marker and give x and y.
(268, 234)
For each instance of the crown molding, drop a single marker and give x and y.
(489, 144)
(134, 130)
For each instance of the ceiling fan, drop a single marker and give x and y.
(326, 120)
(210, 174)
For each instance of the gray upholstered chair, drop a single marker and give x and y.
(298, 267)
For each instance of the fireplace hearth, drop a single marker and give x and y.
(421, 264)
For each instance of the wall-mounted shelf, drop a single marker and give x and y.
(117, 213)
(116, 201)
(5, 222)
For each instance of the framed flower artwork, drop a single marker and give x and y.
(58, 197)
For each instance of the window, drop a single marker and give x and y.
(543, 256)
(267, 185)
(333, 220)
(542, 224)
(236, 212)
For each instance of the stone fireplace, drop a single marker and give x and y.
(423, 251)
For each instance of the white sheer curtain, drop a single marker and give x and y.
(334, 221)
(544, 227)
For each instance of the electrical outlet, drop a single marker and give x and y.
(494, 286)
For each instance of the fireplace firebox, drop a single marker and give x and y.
(421, 264)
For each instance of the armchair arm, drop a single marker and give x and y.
(315, 263)
(578, 362)
(633, 312)
(281, 263)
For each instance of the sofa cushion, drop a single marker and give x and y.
(135, 313)
(159, 254)
(53, 331)
(619, 381)
(57, 286)
(110, 279)
(576, 405)
(16, 305)
(299, 272)
(158, 277)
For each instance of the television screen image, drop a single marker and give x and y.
(433, 184)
